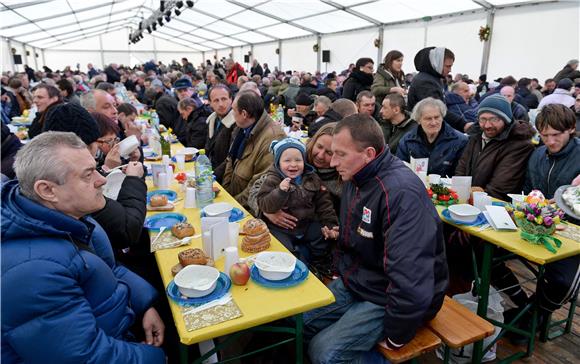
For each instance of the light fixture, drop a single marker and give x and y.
(177, 12)
(189, 3)
(160, 21)
(179, 5)
(149, 29)
(168, 16)
(154, 26)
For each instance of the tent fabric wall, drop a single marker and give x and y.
(407, 39)
(266, 53)
(297, 54)
(340, 55)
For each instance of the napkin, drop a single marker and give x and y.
(211, 313)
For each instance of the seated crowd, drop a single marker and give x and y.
(77, 273)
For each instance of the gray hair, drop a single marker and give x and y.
(266, 82)
(88, 101)
(39, 160)
(295, 80)
(251, 86)
(417, 113)
(323, 100)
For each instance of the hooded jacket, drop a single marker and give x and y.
(355, 83)
(443, 154)
(64, 299)
(391, 249)
(500, 166)
(429, 83)
(240, 175)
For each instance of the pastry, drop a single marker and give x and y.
(175, 269)
(158, 200)
(257, 236)
(182, 229)
(192, 256)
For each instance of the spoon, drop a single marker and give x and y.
(161, 230)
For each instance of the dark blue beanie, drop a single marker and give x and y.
(497, 105)
(279, 146)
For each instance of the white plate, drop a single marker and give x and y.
(561, 204)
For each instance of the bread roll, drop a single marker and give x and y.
(182, 229)
(254, 227)
(192, 256)
(158, 200)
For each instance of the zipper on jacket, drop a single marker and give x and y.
(550, 172)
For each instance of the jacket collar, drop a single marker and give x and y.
(573, 143)
(383, 160)
(226, 121)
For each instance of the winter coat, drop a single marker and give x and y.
(218, 143)
(256, 158)
(330, 93)
(355, 83)
(394, 133)
(328, 117)
(391, 249)
(257, 70)
(559, 96)
(307, 202)
(457, 105)
(429, 83)
(112, 75)
(290, 95)
(383, 81)
(10, 145)
(519, 112)
(501, 166)
(122, 219)
(308, 89)
(567, 72)
(443, 154)
(196, 134)
(233, 74)
(546, 172)
(37, 125)
(166, 108)
(64, 298)
(529, 100)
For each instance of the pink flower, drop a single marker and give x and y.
(530, 217)
(548, 221)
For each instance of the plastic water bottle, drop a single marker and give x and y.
(280, 114)
(154, 141)
(154, 119)
(204, 180)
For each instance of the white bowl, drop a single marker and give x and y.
(128, 145)
(275, 266)
(516, 198)
(188, 152)
(218, 209)
(196, 280)
(464, 212)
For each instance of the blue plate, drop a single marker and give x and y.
(298, 276)
(171, 195)
(236, 215)
(168, 219)
(479, 221)
(24, 123)
(499, 203)
(222, 287)
(189, 161)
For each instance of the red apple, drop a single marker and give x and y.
(240, 273)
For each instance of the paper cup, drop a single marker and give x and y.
(128, 145)
(462, 185)
(423, 177)
(234, 230)
(232, 258)
(189, 202)
(434, 179)
(480, 200)
(162, 181)
(180, 160)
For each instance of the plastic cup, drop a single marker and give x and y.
(180, 160)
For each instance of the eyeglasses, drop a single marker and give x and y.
(492, 120)
(110, 142)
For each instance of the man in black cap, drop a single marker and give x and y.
(304, 109)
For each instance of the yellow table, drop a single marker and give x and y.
(259, 305)
(512, 242)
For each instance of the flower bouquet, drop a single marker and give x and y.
(537, 221)
(441, 195)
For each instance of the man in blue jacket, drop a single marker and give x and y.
(391, 256)
(64, 299)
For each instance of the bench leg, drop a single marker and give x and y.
(299, 339)
(547, 334)
(483, 296)
(446, 354)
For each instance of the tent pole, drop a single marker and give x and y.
(11, 55)
(280, 55)
(101, 51)
(319, 51)
(380, 47)
(154, 49)
(35, 50)
(487, 43)
(24, 56)
(43, 59)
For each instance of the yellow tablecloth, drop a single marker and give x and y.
(259, 305)
(511, 241)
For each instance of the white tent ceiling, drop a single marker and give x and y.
(216, 24)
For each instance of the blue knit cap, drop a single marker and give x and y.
(279, 146)
(497, 105)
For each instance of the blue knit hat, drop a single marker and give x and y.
(182, 83)
(279, 146)
(497, 105)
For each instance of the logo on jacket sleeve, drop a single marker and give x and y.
(366, 217)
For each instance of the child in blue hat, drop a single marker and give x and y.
(292, 186)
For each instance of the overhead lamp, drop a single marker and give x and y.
(177, 12)
(154, 26)
(160, 21)
(189, 3)
(149, 29)
(162, 5)
(168, 16)
(179, 5)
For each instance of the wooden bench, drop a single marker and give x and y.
(457, 326)
(423, 342)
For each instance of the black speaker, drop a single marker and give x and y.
(17, 59)
(246, 58)
(326, 56)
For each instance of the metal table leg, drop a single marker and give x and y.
(483, 296)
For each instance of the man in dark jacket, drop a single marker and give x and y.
(457, 101)
(360, 79)
(519, 111)
(193, 116)
(256, 69)
(570, 71)
(112, 73)
(329, 89)
(497, 157)
(166, 107)
(434, 64)
(524, 90)
(382, 251)
(396, 121)
(220, 126)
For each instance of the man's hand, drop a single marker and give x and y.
(153, 327)
(113, 158)
(285, 184)
(291, 112)
(576, 181)
(330, 233)
(401, 91)
(282, 219)
(134, 169)
(467, 126)
(135, 155)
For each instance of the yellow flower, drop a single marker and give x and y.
(519, 214)
(170, 130)
(556, 219)
(539, 220)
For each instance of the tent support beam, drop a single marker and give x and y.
(380, 47)
(43, 59)
(11, 55)
(487, 43)
(35, 50)
(101, 51)
(319, 51)
(280, 55)
(154, 48)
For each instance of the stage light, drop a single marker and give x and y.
(179, 4)
(160, 21)
(189, 3)
(177, 12)
(149, 29)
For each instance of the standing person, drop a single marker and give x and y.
(381, 252)
(220, 126)
(434, 65)
(187, 68)
(432, 139)
(61, 285)
(390, 77)
(233, 71)
(256, 68)
(360, 79)
(249, 155)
